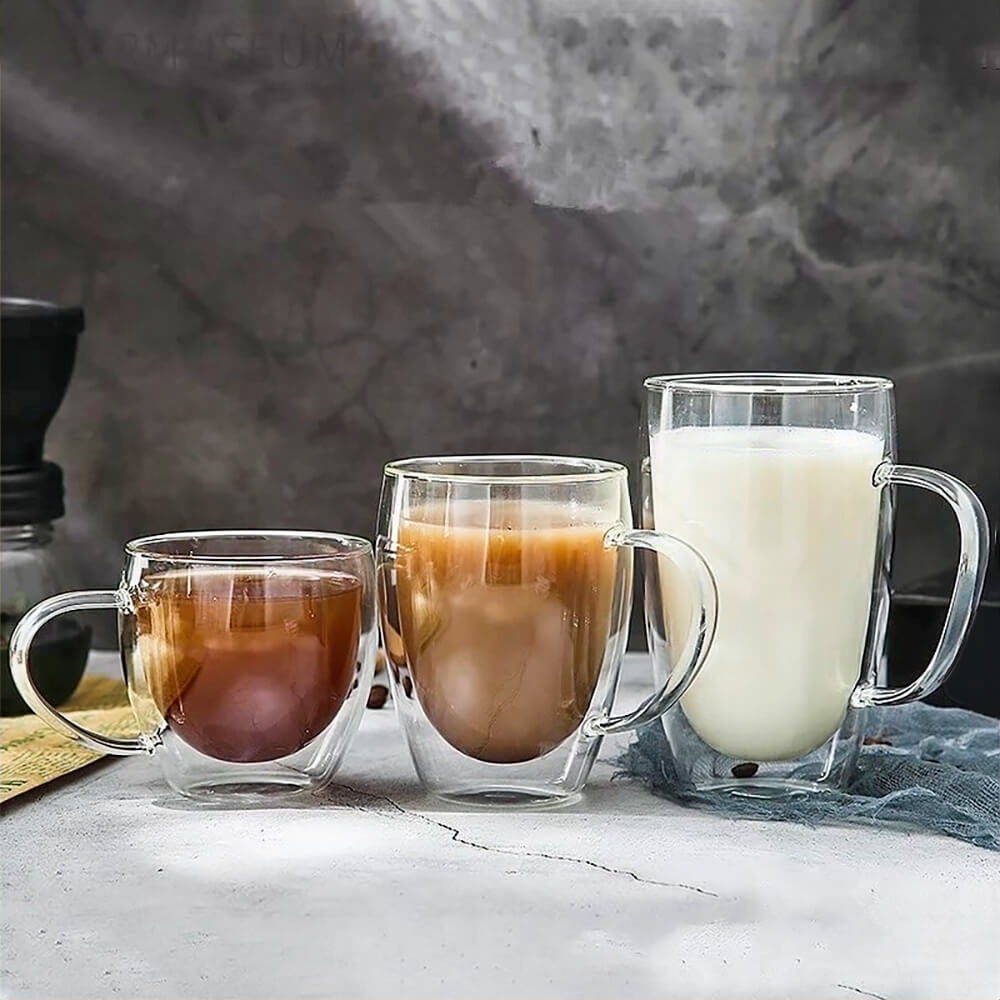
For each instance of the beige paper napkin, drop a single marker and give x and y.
(33, 754)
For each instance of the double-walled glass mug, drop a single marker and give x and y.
(784, 483)
(505, 588)
(247, 656)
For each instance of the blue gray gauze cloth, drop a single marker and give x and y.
(938, 770)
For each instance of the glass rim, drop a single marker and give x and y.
(779, 383)
(156, 547)
(577, 470)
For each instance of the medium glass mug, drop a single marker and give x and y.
(247, 657)
(780, 481)
(505, 587)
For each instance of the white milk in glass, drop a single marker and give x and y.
(787, 518)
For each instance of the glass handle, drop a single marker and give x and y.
(973, 558)
(700, 632)
(20, 645)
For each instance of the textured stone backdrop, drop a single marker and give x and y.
(312, 236)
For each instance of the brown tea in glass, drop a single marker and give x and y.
(249, 666)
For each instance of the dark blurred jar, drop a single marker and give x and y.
(915, 622)
(38, 353)
(29, 572)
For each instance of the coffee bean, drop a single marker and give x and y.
(377, 696)
(876, 741)
(407, 687)
(394, 649)
(745, 770)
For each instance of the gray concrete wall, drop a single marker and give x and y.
(313, 236)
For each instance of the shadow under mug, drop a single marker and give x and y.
(505, 588)
(785, 483)
(247, 657)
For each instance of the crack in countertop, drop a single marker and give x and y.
(458, 838)
(864, 993)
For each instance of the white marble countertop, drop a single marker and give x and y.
(113, 887)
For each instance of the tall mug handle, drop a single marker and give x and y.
(20, 645)
(699, 636)
(974, 534)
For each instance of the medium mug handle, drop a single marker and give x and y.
(20, 645)
(974, 530)
(700, 633)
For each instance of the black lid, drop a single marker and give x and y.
(28, 496)
(39, 349)
(35, 317)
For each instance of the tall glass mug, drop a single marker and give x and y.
(247, 657)
(505, 587)
(784, 484)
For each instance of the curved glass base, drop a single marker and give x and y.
(826, 768)
(507, 796)
(257, 789)
(762, 788)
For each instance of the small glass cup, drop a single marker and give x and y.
(505, 587)
(247, 657)
(785, 484)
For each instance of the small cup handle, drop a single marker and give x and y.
(20, 644)
(700, 633)
(974, 534)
